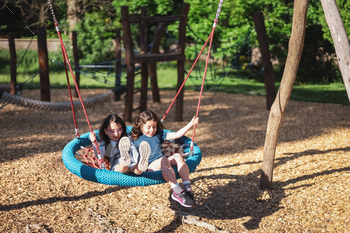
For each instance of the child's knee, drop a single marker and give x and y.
(164, 161)
(138, 172)
(178, 157)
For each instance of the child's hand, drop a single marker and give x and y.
(195, 120)
(92, 137)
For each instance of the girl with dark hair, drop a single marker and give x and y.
(148, 128)
(117, 149)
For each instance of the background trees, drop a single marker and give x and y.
(97, 20)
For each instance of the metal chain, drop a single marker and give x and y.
(218, 11)
(52, 12)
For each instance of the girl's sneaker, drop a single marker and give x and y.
(183, 198)
(124, 148)
(145, 152)
(191, 194)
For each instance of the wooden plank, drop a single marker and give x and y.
(180, 98)
(153, 65)
(43, 65)
(76, 60)
(181, 63)
(152, 19)
(118, 63)
(295, 48)
(266, 58)
(144, 65)
(129, 97)
(141, 58)
(13, 62)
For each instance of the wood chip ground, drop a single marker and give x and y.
(311, 176)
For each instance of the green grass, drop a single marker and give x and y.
(167, 80)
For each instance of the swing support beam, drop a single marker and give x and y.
(295, 48)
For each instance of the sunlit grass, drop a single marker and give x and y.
(167, 79)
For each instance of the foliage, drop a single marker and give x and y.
(95, 33)
(234, 34)
(344, 10)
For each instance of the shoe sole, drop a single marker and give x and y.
(145, 152)
(183, 204)
(124, 147)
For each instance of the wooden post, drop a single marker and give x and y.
(129, 98)
(181, 63)
(144, 65)
(153, 65)
(295, 49)
(13, 62)
(43, 65)
(340, 40)
(266, 59)
(118, 63)
(76, 60)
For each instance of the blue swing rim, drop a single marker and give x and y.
(108, 177)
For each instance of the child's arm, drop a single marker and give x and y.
(93, 139)
(181, 132)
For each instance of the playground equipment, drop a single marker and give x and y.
(110, 177)
(115, 178)
(145, 58)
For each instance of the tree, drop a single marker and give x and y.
(72, 14)
(341, 41)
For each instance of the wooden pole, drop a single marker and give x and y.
(181, 63)
(43, 65)
(129, 98)
(266, 58)
(340, 40)
(118, 63)
(144, 65)
(153, 65)
(13, 62)
(295, 49)
(76, 60)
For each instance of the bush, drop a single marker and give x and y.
(95, 33)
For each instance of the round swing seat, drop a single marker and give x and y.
(108, 177)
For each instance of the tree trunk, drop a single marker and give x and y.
(266, 58)
(340, 40)
(295, 49)
(72, 14)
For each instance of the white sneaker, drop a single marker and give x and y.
(145, 152)
(124, 148)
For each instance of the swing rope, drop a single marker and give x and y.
(66, 60)
(210, 37)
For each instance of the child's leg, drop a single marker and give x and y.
(142, 165)
(120, 168)
(168, 172)
(182, 169)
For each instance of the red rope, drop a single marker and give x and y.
(205, 73)
(211, 35)
(65, 58)
(70, 93)
(178, 92)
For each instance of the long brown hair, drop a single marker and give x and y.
(145, 116)
(111, 118)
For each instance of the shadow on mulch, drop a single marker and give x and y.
(241, 197)
(51, 200)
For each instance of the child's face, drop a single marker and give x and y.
(114, 131)
(149, 128)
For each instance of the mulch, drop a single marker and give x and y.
(311, 175)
